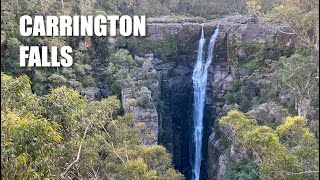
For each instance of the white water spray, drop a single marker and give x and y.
(199, 77)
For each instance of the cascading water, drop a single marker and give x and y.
(199, 77)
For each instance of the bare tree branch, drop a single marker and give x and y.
(78, 156)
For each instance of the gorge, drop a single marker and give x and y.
(179, 40)
(162, 69)
(168, 56)
(210, 90)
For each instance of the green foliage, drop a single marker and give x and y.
(88, 81)
(30, 147)
(243, 170)
(256, 61)
(122, 58)
(294, 133)
(245, 94)
(250, 65)
(16, 95)
(289, 152)
(112, 149)
(239, 122)
(137, 169)
(30, 144)
(57, 80)
(252, 56)
(118, 71)
(64, 106)
(163, 48)
(40, 146)
(9, 25)
(11, 61)
(49, 77)
(315, 102)
(180, 7)
(156, 157)
(302, 18)
(264, 139)
(244, 52)
(172, 174)
(300, 76)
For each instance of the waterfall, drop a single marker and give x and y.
(199, 77)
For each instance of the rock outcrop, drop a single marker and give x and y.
(268, 113)
(140, 98)
(140, 103)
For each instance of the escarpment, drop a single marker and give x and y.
(160, 93)
(171, 45)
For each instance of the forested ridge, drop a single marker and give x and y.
(53, 127)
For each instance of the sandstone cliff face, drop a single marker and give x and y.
(145, 116)
(237, 30)
(140, 98)
(171, 45)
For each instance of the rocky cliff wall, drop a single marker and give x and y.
(171, 45)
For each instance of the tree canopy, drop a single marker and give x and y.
(63, 135)
(287, 152)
